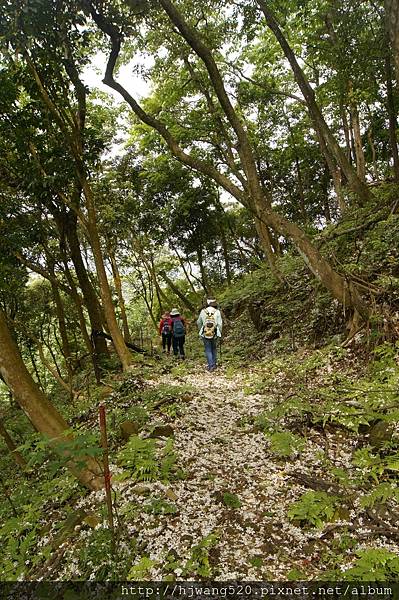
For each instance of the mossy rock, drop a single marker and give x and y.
(380, 433)
(162, 431)
(105, 391)
(92, 520)
(129, 428)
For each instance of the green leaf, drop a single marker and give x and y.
(231, 500)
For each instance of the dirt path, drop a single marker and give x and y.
(227, 517)
(221, 455)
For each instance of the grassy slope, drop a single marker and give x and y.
(301, 311)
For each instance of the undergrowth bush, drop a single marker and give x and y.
(314, 508)
(373, 564)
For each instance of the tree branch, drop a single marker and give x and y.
(194, 163)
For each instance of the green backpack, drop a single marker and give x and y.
(178, 328)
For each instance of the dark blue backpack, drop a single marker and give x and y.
(178, 328)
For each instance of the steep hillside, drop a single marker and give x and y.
(364, 246)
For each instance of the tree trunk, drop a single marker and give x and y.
(223, 225)
(392, 119)
(392, 25)
(276, 245)
(340, 288)
(345, 127)
(17, 456)
(266, 242)
(325, 182)
(82, 322)
(335, 172)
(337, 183)
(183, 266)
(62, 326)
(225, 251)
(298, 170)
(106, 296)
(237, 244)
(300, 190)
(65, 347)
(360, 162)
(161, 296)
(343, 290)
(67, 219)
(78, 304)
(34, 365)
(373, 152)
(39, 410)
(73, 129)
(148, 299)
(354, 181)
(178, 293)
(54, 372)
(204, 276)
(197, 279)
(89, 295)
(121, 300)
(352, 137)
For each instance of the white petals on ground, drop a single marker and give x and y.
(252, 540)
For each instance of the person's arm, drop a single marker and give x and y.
(200, 321)
(219, 322)
(160, 326)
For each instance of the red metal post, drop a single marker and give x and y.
(107, 474)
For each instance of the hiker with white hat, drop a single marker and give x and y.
(210, 329)
(178, 332)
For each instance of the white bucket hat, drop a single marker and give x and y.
(174, 312)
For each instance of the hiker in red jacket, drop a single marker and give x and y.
(178, 332)
(165, 330)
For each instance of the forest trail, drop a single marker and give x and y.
(222, 507)
(231, 518)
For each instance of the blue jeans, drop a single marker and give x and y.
(210, 352)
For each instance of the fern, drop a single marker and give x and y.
(380, 494)
(314, 508)
(285, 443)
(374, 564)
(168, 461)
(139, 456)
(158, 506)
(199, 561)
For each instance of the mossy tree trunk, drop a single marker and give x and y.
(40, 411)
